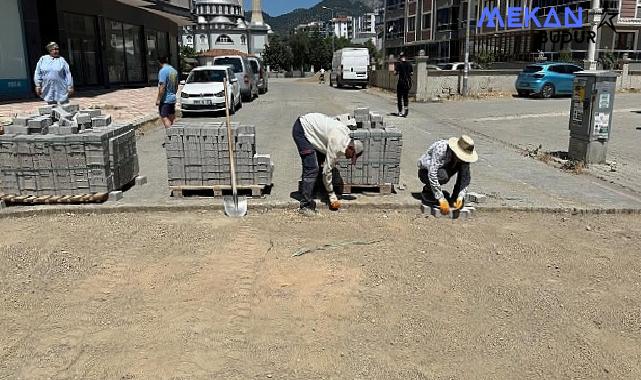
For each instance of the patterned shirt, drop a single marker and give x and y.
(439, 156)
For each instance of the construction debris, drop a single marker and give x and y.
(198, 155)
(66, 151)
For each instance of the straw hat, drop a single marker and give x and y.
(463, 147)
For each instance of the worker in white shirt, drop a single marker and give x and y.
(317, 133)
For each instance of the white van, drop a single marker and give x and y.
(349, 67)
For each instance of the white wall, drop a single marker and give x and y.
(14, 79)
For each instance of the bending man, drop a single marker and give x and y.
(439, 164)
(316, 133)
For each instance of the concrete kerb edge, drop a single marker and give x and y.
(263, 208)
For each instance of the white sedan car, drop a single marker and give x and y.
(203, 91)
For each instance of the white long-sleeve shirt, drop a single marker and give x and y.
(328, 136)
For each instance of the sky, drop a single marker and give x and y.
(278, 7)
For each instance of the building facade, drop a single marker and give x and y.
(221, 24)
(438, 28)
(106, 42)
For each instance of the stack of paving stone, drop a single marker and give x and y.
(380, 163)
(198, 155)
(66, 151)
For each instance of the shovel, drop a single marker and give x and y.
(235, 206)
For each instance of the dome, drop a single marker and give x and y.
(241, 24)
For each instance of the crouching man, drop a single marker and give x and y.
(316, 134)
(442, 161)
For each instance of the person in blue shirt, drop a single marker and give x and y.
(167, 87)
(52, 78)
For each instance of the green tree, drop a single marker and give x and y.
(299, 44)
(320, 52)
(187, 55)
(278, 54)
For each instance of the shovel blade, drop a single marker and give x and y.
(235, 207)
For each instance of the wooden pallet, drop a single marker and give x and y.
(217, 191)
(17, 200)
(383, 189)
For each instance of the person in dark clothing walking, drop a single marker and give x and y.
(404, 71)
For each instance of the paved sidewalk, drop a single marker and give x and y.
(131, 105)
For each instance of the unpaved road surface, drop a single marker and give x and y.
(199, 296)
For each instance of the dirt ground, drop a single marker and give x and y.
(200, 296)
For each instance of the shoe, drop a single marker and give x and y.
(308, 212)
(407, 112)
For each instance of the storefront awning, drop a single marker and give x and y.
(177, 15)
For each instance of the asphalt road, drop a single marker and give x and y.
(499, 126)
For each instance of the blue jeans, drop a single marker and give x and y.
(309, 160)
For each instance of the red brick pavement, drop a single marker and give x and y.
(124, 105)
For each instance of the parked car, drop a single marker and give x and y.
(242, 68)
(260, 75)
(457, 66)
(203, 91)
(434, 67)
(547, 79)
(349, 67)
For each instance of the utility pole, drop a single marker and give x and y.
(595, 14)
(466, 70)
(333, 28)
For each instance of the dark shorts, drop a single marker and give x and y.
(167, 109)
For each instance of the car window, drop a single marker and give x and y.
(557, 69)
(571, 69)
(236, 63)
(533, 69)
(445, 66)
(460, 66)
(205, 76)
(254, 66)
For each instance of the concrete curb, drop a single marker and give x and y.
(262, 208)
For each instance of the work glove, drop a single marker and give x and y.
(459, 203)
(444, 205)
(334, 203)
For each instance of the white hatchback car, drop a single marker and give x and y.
(203, 91)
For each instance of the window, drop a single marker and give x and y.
(557, 69)
(411, 24)
(443, 19)
(624, 41)
(205, 76)
(224, 39)
(243, 39)
(427, 20)
(230, 61)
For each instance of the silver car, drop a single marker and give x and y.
(260, 74)
(242, 68)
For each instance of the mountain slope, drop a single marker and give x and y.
(285, 24)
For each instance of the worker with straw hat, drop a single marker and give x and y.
(442, 161)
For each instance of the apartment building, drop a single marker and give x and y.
(438, 28)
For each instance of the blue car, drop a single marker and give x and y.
(547, 79)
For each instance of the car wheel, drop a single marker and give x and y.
(547, 91)
(339, 84)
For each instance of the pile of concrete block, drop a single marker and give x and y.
(381, 160)
(66, 151)
(198, 155)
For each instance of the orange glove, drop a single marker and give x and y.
(334, 203)
(459, 203)
(444, 206)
